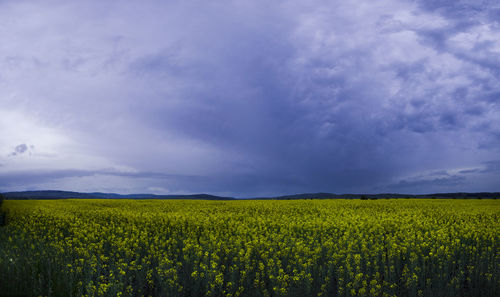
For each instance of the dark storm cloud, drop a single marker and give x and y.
(436, 181)
(34, 177)
(463, 17)
(13, 179)
(21, 149)
(441, 182)
(491, 167)
(254, 98)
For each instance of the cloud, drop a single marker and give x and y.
(461, 180)
(68, 179)
(442, 182)
(491, 167)
(257, 98)
(21, 149)
(467, 171)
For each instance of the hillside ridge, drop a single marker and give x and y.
(55, 194)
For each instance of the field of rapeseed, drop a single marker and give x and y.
(251, 248)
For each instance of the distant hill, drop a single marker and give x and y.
(482, 195)
(27, 195)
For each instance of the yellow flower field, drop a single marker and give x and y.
(399, 247)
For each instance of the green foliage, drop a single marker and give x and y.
(251, 248)
(2, 213)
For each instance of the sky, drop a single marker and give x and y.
(250, 98)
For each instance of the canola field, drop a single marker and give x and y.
(400, 247)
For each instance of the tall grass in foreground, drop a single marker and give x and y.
(2, 213)
(251, 248)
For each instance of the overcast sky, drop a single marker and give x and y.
(250, 98)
